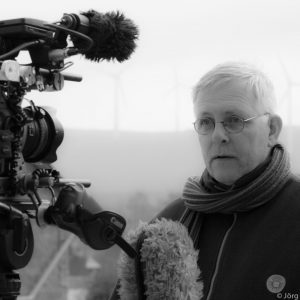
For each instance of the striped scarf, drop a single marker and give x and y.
(259, 191)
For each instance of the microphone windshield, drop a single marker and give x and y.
(168, 260)
(114, 36)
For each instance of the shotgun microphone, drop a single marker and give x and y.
(114, 36)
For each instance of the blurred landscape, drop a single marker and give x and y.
(134, 174)
(123, 163)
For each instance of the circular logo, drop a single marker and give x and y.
(275, 283)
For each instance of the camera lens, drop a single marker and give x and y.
(42, 136)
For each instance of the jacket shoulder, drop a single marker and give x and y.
(288, 197)
(294, 183)
(173, 211)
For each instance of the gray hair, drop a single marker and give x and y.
(255, 79)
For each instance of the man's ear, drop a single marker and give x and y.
(275, 124)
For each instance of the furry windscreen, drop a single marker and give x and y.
(169, 262)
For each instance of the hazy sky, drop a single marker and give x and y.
(179, 41)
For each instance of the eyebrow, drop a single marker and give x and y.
(228, 112)
(237, 112)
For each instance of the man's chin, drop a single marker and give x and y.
(227, 178)
(225, 171)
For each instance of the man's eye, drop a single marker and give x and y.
(234, 120)
(205, 122)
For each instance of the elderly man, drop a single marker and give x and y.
(243, 213)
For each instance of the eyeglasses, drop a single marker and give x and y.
(232, 124)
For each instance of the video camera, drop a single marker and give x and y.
(32, 134)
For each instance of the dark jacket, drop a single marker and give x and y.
(252, 255)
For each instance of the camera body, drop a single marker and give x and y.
(29, 134)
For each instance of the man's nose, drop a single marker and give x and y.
(219, 134)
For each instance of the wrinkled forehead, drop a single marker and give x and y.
(233, 95)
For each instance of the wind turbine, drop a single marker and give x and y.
(175, 90)
(119, 96)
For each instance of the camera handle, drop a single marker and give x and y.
(100, 231)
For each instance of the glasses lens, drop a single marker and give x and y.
(204, 125)
(234, 124)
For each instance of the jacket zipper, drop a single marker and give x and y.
(219, 258)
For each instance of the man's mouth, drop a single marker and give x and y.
(223, 157)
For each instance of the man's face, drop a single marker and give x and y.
(228, 156)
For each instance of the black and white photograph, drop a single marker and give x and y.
(148, 150)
